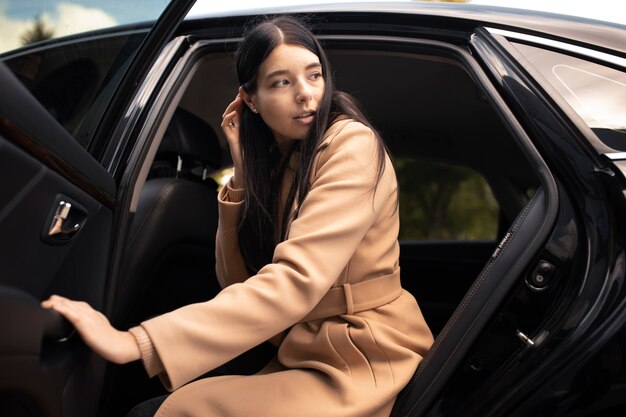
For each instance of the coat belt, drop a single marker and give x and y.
(353, 298)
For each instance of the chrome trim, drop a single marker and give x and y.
(527, 340)
(66, 338)
(579, 50)
(616, 155)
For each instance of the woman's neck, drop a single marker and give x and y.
(285, 146)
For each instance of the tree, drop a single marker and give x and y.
(37, 33)
(444, 201)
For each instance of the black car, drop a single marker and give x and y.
(508, 131)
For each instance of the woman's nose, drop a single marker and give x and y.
(304, 93)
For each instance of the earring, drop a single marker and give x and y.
(254, 110)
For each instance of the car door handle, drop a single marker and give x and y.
(56, 328)
(67, 220)
(25, 325)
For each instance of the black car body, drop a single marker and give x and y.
(512, 203)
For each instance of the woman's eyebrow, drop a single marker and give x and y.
(313, 65)
(285, 71)
(275, 73)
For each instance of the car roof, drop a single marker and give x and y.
(604, 36)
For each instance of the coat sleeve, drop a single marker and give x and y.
(339, 209)
(229, 265)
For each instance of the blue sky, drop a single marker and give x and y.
(129, 10)
(136, 10)
(72, 16)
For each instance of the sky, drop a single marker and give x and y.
(72, 16)
(607, 10)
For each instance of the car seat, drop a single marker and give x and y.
(170, 252)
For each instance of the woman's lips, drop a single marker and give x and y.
(305, 118)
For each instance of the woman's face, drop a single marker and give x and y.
(290, 87)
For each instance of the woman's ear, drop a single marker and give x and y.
(248, 99)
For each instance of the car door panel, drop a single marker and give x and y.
(439, 274)
(37, 358)
(41, 164)
(31, 354)
(57, 205)
(531, 343)
(25, 122)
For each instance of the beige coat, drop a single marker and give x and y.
(346, 365)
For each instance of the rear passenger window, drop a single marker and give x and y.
(444, 201)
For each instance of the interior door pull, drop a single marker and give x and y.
(66, 221)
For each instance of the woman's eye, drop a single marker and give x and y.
(280, 83)
(316, 75)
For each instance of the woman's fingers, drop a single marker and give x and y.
(230, 117)
(230, 127)
(95, 329)
(233, 105)
(63, 306)
(80, 314)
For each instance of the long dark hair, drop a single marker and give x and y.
(263, 164)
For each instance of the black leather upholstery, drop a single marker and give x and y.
(192, 139)
(475, 310)
(170, 255)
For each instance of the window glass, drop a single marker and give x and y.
(442, 201)
(72, 56)
(596, 92)
(28, 22)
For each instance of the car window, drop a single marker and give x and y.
(438, 201)
(596, 92)
(444, 201)
(72, 56)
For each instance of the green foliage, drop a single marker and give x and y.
(440, 201)
(36, 33)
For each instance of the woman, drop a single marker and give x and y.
(307, 255)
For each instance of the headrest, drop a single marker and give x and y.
(191, 138)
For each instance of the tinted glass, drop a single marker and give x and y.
(596, 92)
(72, 56)
(443, 201)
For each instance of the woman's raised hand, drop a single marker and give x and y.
(95, 330)
(230, 125)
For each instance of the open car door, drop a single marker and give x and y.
(58, 202)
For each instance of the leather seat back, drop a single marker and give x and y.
(170, 254)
